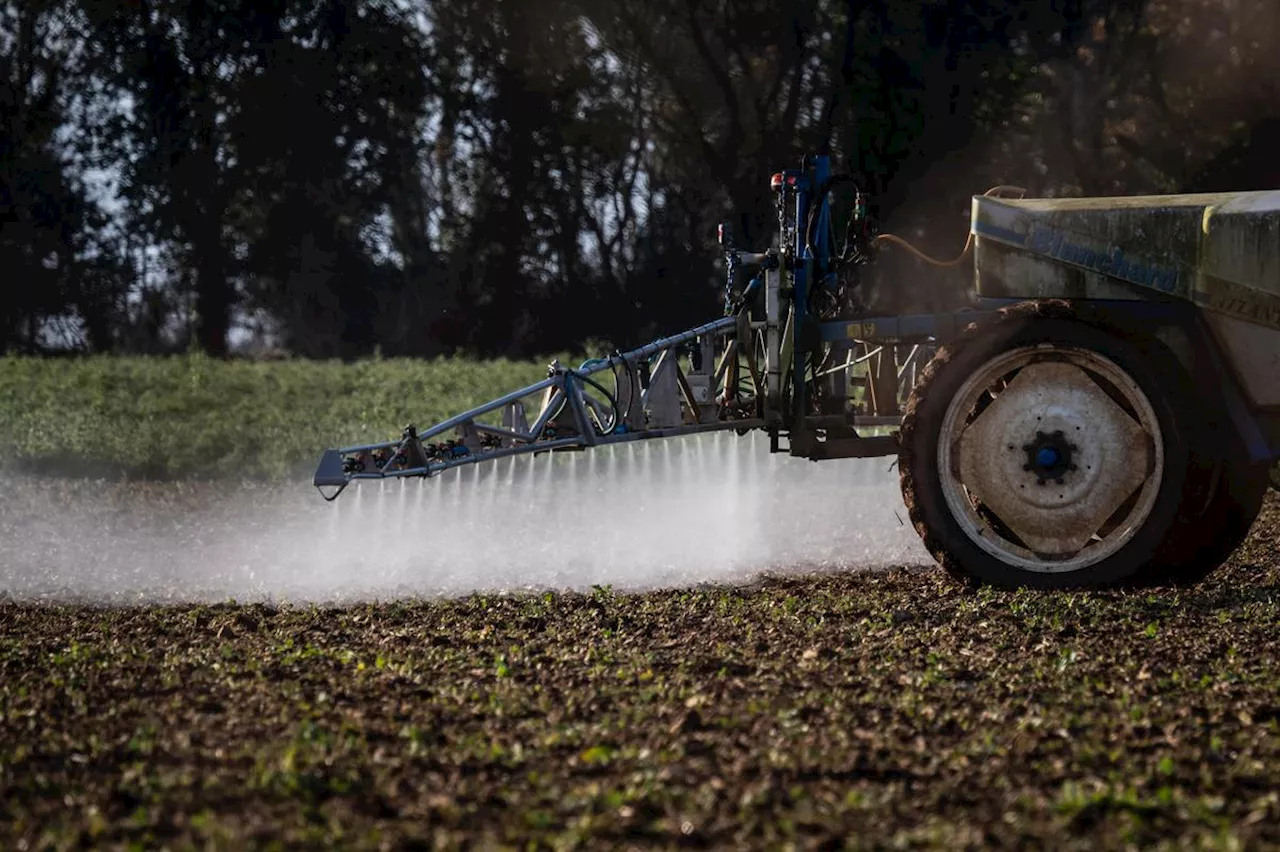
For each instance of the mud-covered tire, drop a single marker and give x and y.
(1062, 330)
(1200, 546)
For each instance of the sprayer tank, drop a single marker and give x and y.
(1221, 251)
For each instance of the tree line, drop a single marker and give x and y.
(511, 177)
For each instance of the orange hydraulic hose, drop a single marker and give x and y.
(968, 243)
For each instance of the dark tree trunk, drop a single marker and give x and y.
(215, 299)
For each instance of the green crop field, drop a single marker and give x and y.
(195, 416)
(892, 710)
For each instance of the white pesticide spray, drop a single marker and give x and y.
(708, 509)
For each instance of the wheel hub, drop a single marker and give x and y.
(1049, 457)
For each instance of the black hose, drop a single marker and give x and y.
(634, 382)
(613, 402)
(815, 202)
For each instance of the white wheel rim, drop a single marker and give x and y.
(1085, 467)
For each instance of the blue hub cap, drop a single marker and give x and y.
(1049, 457)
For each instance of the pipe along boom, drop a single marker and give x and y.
(1094, 416)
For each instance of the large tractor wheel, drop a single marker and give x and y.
(1236, 492)
(1047, 451)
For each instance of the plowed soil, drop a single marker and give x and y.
(867, 711)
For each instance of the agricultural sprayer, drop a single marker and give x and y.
(1107, 411)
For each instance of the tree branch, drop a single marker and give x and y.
(719, 74)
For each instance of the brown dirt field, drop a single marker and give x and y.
(882, 711)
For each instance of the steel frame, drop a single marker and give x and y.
(564, 389)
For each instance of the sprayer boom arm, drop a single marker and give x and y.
(656, 395)
(795, 355)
